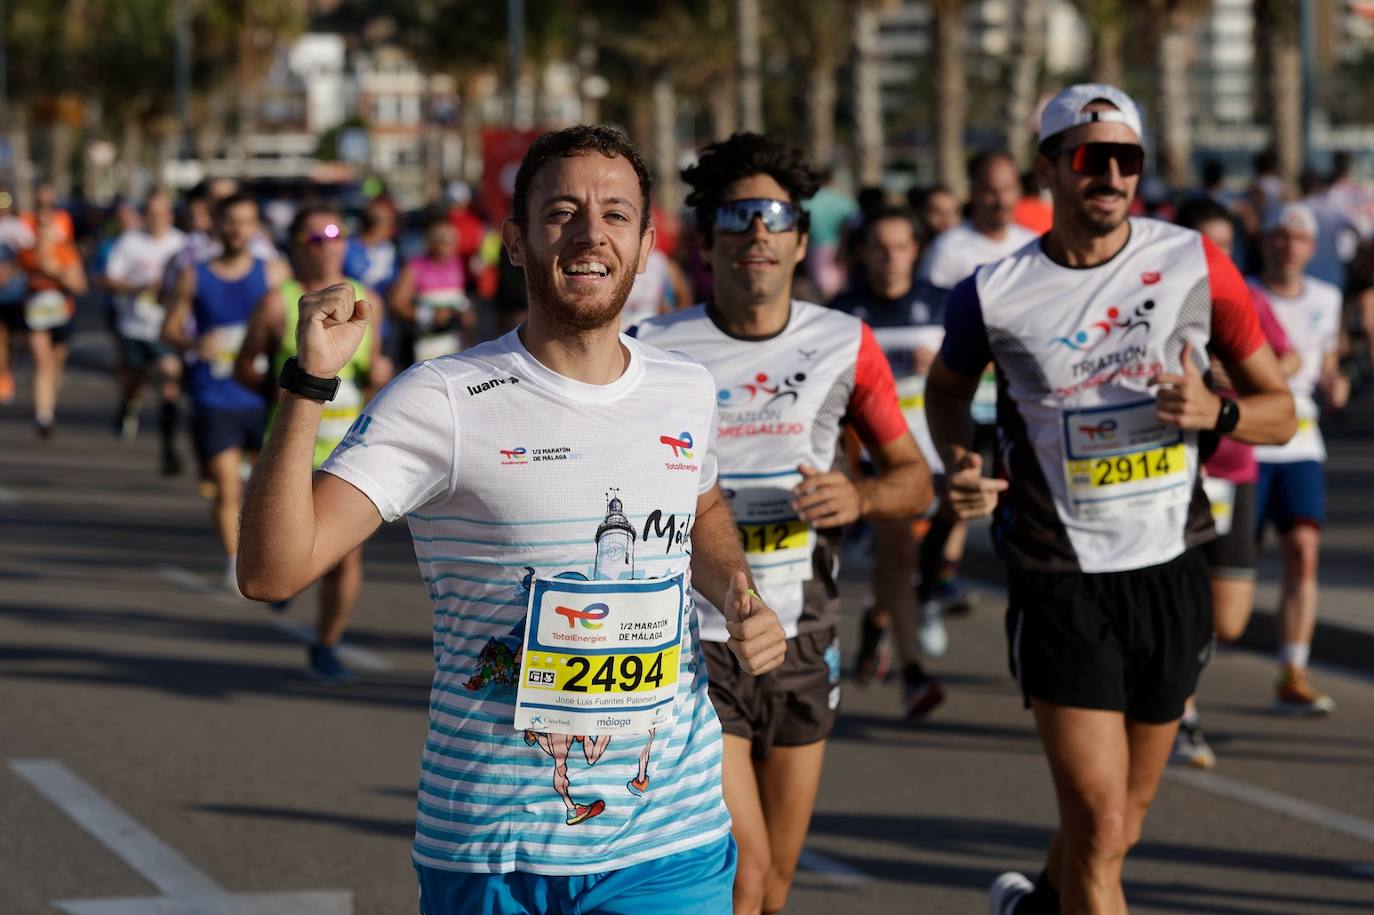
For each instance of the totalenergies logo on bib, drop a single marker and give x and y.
(585, 616)
(1088, 338)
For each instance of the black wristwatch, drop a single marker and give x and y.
(294, 379)
(1227, 416)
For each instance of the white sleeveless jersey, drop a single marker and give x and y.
(1312, 322)
(506, 471)
(1098, 484)
(781, 403)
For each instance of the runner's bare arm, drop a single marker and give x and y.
(949, 395)
(720, 574)
(380, 370)
(297, 525)
(174, 324)
(1334, 384)
(262, 339)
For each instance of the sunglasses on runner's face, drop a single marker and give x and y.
(738, 215)
(1095, 158)
(330, 232)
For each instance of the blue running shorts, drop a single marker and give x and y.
(695, 882)
(1290, 494)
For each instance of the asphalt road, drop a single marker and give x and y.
(158, 739)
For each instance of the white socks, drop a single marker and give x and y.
(1294, 654)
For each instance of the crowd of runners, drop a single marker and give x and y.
(632, 450)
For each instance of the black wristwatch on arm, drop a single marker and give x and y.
(296, 380)
(1227, 416)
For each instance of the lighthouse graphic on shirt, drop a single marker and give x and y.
(499, 664)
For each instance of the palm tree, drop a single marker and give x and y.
(815, 33)
(1171, 24)
(868, 99)
(949, 35)
(747, 55)
(1277, 28)
(1025, 69)
(1107, 24)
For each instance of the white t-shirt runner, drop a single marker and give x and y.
(1098, 484)
(962, 249)
(781, 403)
(139, 259)
(514, 480)
(1312, 322)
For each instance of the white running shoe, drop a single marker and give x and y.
(1006, 891)
(930, 629)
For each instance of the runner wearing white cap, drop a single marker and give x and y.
(1100, 332)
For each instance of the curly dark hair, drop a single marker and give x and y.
(742, 156)
(574, 141)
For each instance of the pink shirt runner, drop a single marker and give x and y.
(1234, 461)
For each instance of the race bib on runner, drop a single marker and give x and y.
(432, 346)
(600, 657)
(46, 310)
(1121, 461)
(777, 544)
(340, 413)
(148, 309)
(1222, 496)
(225, 343)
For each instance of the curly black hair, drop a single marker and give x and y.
(742, 156)
(573, 141)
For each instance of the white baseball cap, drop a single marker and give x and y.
(1065, 110)
(1295, 217)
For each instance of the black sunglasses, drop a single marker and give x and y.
(1095, 158)
(738, 215)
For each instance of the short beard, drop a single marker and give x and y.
(565, 314)
(1097, 228)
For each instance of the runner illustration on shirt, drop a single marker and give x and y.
(499, 665)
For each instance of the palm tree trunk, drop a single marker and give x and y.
(951, 90)
(1025, 70)
(820, 112)
(720, 99)
(130, 154)
(1277, 37)
(747, 57)
(1173, 53)
(665, 144)
(868, 99)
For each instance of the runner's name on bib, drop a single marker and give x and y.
(1122, 462)
(46, 310)
(777, 544)
(340, 413)
(1222, 495)
(600, 657)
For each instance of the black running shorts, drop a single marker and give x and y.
(1131, 642)
(791, 706)
(1232, 555)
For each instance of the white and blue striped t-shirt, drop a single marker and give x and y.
(506, 470)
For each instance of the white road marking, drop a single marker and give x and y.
(186, 889)
(8, 496)
(153, 860)
(1346, 824)
(309, 902)
(835, 871)
(358, 657)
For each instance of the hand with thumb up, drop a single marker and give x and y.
(756, 636)
(970, 494)
(1185, 400)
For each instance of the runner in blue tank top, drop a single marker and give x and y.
(207, 322)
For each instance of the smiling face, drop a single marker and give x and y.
(754, 267)
(1095, 204)
(583, 246)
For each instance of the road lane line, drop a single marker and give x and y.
(835, 871)
(153, 860)
(1346, 824)
(358, 657)
(309, 902)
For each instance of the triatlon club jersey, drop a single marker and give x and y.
(781, 401)
(1312, 322)
(1098, 483)
(510, 474)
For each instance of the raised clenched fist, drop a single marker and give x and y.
(331, 327)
